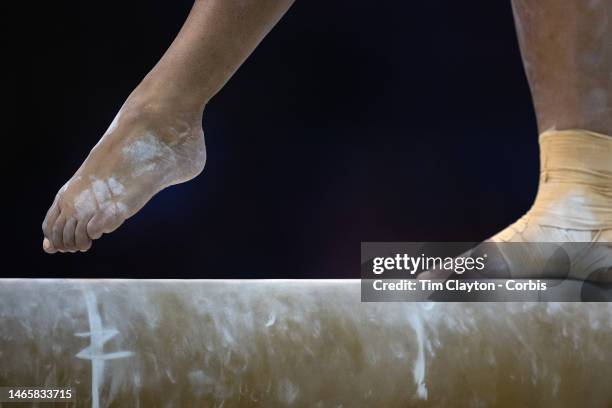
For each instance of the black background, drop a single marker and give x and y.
(353, 121)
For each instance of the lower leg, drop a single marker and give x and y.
(567, 54)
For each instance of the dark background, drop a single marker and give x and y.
(353, 121)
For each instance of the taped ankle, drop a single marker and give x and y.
(575, 189)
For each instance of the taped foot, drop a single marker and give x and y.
(568, 230)
(573, 205)
(143, 151)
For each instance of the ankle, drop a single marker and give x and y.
(576, 180)
(576, 157)
(153, 112)
(155, 99)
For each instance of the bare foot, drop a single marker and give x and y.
(146, 149)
